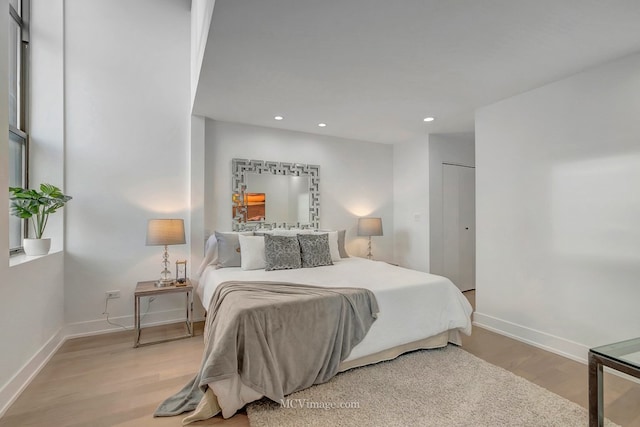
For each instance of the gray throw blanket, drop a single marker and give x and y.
(279, 337)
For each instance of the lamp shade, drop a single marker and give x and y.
(165, 232)
(369, 226)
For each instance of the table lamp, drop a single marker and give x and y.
(165, 232)
(369, 227)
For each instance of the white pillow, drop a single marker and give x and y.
(252, 252)
(229, 248)
(210, 254)
(341, 242)
(334, 247)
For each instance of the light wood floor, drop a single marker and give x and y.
(555, 373)
(103, 381)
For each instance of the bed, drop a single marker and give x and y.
(416, 311)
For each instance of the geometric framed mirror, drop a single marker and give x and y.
(267, 194)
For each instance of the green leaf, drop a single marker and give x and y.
(26, 204)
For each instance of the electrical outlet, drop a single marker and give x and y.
(112, 294)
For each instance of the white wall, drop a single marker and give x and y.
(455, 148)
(47, 108)
(201, 15)
(31, 307)
(128, 129)
(411, 203)
(197, 191)
(356, 178)
(558, 235)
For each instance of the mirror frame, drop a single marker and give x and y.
(241, 167)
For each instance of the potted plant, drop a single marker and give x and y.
(37, 206)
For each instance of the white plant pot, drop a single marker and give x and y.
(33, 247)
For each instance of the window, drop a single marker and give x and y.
(18, 117)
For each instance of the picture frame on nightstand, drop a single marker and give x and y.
(181, 273)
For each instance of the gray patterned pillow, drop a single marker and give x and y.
(281, 252)
(314, 250)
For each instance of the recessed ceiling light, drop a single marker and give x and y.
(322, 125)
(429, 119)
(278, 117)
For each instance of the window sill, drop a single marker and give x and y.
(21, 258)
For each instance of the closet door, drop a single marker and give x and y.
(459, 206)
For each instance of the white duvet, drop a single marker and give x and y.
(413, 306)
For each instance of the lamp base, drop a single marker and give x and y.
(161, 283)
(165, 274)
(369, 254)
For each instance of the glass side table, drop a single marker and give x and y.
(622, 356)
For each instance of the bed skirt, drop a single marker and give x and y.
(437, 341)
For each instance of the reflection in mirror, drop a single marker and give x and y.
(255, 204)
(272, 194)
(288, 197)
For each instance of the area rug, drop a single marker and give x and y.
(443, 387)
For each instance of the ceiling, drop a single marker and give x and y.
(373, 69)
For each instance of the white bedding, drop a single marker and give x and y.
(413, 305)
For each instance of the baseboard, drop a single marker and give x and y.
(554, 344)
(16, 385)
(100, 326)
(551, 343)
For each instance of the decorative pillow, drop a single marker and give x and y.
(341, 243)
(210, 254)
(281, 252)
(333, 244)
(291, 231)
(314, 249)
(262, 232)
(341, 250)
(252, 252)
(229, 248)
